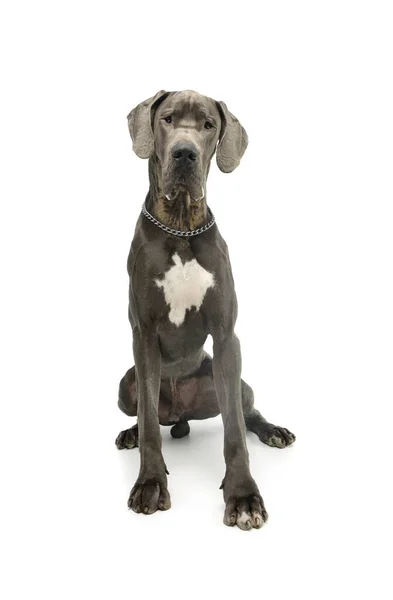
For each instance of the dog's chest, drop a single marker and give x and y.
(184, 286)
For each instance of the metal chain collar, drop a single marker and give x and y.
(190, 233)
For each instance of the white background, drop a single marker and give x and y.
(308, 221)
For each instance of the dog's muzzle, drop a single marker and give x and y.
(184, 172)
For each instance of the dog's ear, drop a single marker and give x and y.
(140, 125)
(233, 140)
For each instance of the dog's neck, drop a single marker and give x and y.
(181, 212)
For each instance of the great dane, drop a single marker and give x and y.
(181, 290)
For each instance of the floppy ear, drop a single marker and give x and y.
(233, 140)
(140, 125)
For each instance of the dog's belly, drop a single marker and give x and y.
(182, 347)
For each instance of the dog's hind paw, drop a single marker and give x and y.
(278, 437)
(127, 438)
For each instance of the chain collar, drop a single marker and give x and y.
(190, 233)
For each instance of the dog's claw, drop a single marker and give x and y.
(278, 437)
(152, 495)
(246, 513)
(127, 438)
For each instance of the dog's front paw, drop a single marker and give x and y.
(246, 512)
(244, 504)
(148, 496)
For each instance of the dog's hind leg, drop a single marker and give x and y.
(127, 403)
(268, 433)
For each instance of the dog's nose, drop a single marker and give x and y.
(185, 154)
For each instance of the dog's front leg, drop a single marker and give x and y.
(150, 490)
(244, 504)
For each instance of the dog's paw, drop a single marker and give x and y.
(278, 437)
(149, 496)
(245, 512)
(127, 438)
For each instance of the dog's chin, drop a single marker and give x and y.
(195, 193)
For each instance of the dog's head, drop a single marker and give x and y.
(184, 129)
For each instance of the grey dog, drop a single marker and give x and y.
(181, 290)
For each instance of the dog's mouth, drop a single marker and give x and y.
(177, 183)
(179, 190)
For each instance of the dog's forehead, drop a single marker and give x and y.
(189, 102)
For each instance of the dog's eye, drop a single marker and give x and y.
(208, 125)
(168, 119)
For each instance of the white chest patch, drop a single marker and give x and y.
(184, 286)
